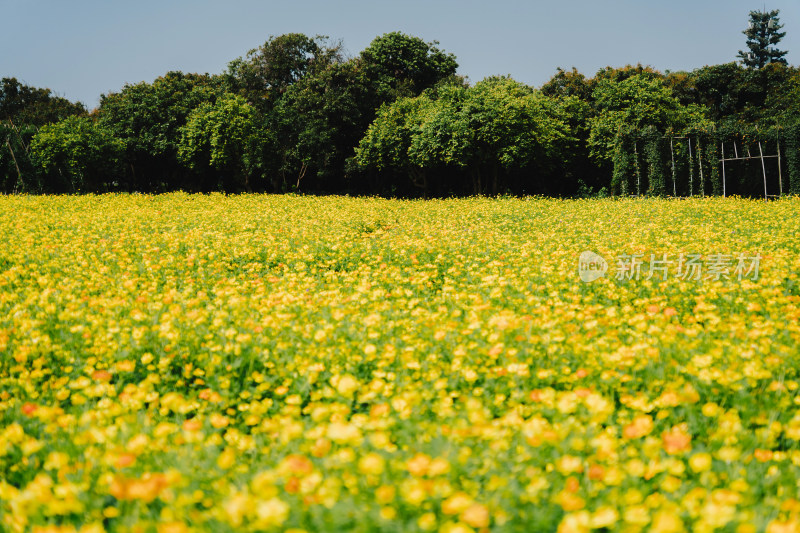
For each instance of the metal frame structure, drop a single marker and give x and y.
(672, 162)
(722, 161)
(749, 157)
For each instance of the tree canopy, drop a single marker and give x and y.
(22, 104)
(77, 155)
(298, 114)
(637, 103)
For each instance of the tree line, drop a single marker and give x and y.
(295, 114)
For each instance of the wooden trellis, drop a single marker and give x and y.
(749, 157)
(673, 138)
(697, 152)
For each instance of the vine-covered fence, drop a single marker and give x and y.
(727, 160)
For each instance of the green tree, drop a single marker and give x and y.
(266, 72)
(147, 117)
(226, 136)
(320, 112)
(22, 104)
(569, 83)
(572, 91)
(618, 74)
(734, 92)
(726, 89)
(76, 155)
(23, 109)
(17, 174)
(318, 123)
(386, 147)
(763, 34)
(402, 65)
(636, 103)
(488, 132)
(505, 126)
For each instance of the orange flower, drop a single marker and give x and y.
(379, 410)
(295, 464)
(569, 501)
(126, 459)
(418, 465)
(102, 375)
(676, 441)
(147, 488)
(596, 472)
(777, 526)
(763, 455)
(192, 424)
(209, 395)
(219, 421)
(641, 426)
(476, 515)
(572, 484)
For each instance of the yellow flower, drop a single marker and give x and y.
(384, 494)
(569, 464)
(172, 527)
(604, 517)
(271, 513)
(700, 462)
(218, 420)
(455, 527)
(666, 522)
(371, 463)
(427, 522)
(438, 467)
(577, 522)
(226, 459)
(343, 433)
(456, 504)
(419, 464)
(347, 385)
(728, 453)
(476, 515)
(413, 492)
(636, 515)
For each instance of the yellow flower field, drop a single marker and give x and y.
(279, 363)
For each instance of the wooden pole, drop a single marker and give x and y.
(700, 164)
(763, 169)
(19, 136)
(638, 177)
(691, 172)
(780, 178)
(19, 174)
(724, 194)
(672, 157)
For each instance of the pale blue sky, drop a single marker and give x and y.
(81, 49)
